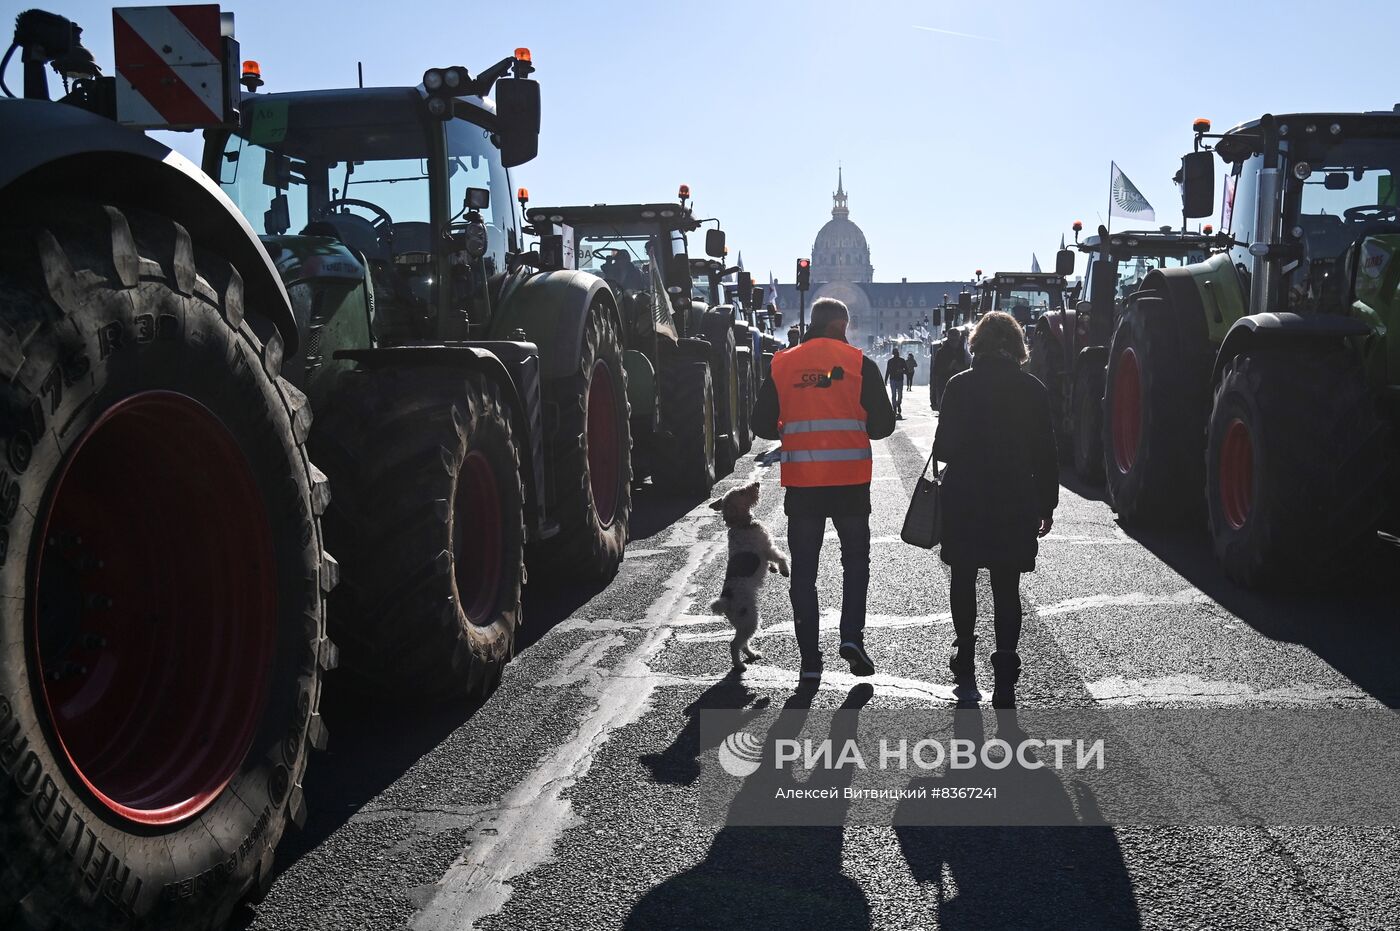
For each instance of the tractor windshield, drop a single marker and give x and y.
(321, 152)
(1339, 193)
(1342, 192)
(1026, 304)
(358, 164)
(624, 261)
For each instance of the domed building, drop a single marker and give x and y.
(841, 269)
(840, 252)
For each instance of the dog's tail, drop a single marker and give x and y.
(720, 605)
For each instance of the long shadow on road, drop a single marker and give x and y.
(1352, 626)
(374, 738)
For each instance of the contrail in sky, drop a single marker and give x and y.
(960, 35)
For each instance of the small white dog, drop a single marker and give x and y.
(752, 556)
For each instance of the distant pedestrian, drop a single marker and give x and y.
(894, 374)
(950, 359)
(911, 362)
(831, 403)
(999, 492)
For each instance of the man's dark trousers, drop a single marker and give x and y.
(805, 536)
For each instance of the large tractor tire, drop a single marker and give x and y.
(163, 637)
(1299, 468)
(686, 451)
(748, 390)
(718, 330)
(427, 515)
(1156, 404)
(1087, 441)
(588, 447)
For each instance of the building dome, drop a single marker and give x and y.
(840, 252)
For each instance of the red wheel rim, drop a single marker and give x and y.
(604, 458)
(479, 538)
(155, 623)
(1127, 410)
(1237, 473)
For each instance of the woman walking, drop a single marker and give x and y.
(999, 491)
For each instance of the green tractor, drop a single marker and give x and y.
(679, 352)
(1264, 382)
(1069, 346)
(471, 409)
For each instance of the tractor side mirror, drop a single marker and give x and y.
(745, 288)
(518, 119)
(1064, 263)
(777, 317)
(678, 281)
(757, 296)
(1198, 184)
(964, 302)
(714, 243)
(277, 170)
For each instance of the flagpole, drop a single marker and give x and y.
(1109, 226)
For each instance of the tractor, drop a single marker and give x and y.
(1026, 295)
(1069, 346)
(472, 410)
(1262, 385)
(161, 531)
(679, 352)
(709, 287)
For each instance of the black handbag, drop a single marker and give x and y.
(923, 522)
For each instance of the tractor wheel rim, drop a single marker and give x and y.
(1127, 410)
(155, 621)
(1237, 474)
(479, 538)
(604, 457)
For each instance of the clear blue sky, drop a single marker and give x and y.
(972, 134)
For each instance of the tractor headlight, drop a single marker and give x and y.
(439, 108)
(432, 80)
(455, 78)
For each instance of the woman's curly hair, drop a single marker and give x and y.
(999, 333)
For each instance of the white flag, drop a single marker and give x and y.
(1125, 200)
(1035, 264)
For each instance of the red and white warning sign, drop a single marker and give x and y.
(171, 67)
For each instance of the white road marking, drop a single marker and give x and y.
(1188, 596)
(532, 817)
(1192, 689)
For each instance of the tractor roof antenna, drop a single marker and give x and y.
(360, 67)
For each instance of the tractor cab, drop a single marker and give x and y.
(1312, 202)
(1027, 296)
(395, 199)
(643, 252)
(1119, 262)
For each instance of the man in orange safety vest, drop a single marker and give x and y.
(826, 401)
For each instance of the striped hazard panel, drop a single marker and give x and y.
(170, 65)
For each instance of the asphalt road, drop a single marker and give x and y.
(567, 800)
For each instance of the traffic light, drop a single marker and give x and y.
(804, 274)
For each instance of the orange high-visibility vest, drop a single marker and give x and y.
(820, 417)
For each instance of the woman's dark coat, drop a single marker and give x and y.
(995, 433)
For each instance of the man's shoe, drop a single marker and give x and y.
(854, 653)
(811, 671)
